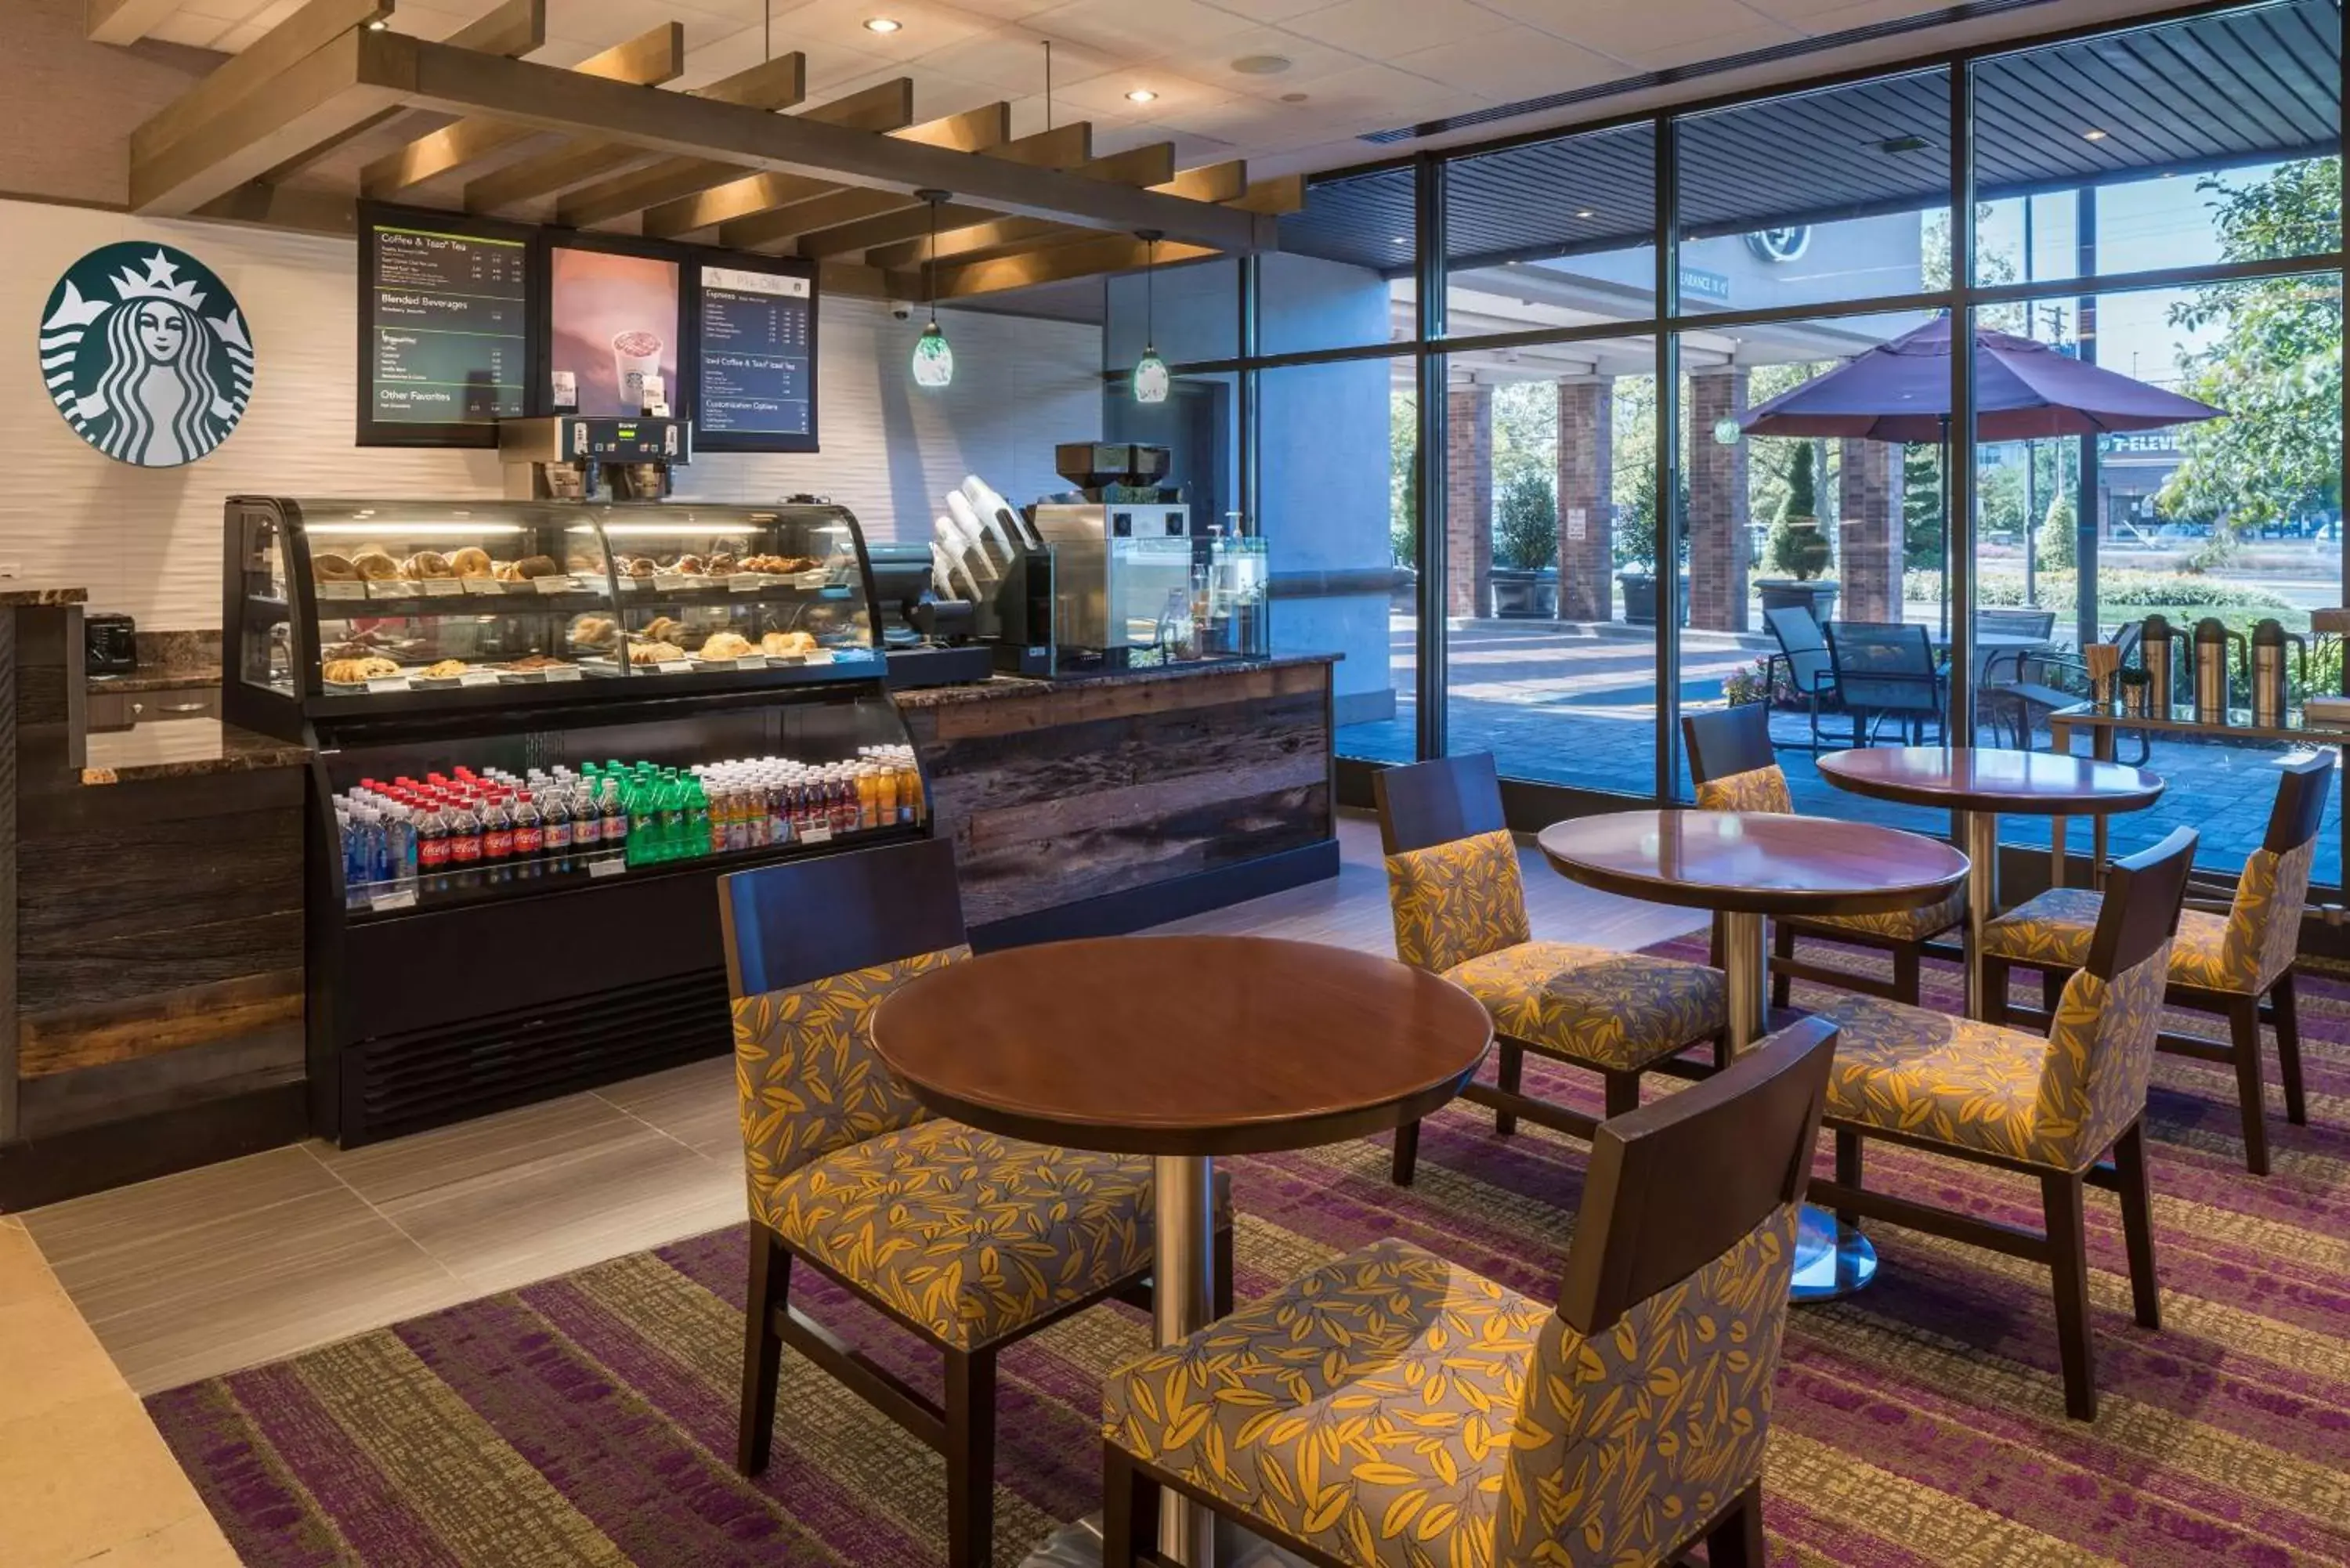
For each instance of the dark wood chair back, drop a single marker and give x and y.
(1885, 666)
(1806, 650)
(1674, 1184)
(2141, 908)
(1726, 740)
(2300, 803)
(809, 919)
(1438, 802)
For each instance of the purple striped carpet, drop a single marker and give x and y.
(589, 1419)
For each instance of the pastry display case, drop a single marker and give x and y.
(542, 731)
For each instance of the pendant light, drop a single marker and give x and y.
(933, 360)
(1150, 379)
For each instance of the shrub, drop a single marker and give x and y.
(1636, 525)
(1798, 546)
(2059, 542)
(1525, 522)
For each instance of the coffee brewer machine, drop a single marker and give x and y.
(1136, 581)
(573, 457)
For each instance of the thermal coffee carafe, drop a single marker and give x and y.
(2212, 668)
(2158, 659)
(2270, 690)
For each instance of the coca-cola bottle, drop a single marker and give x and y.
(464, 834)
(497, 835)
(432, 845)
(554, 815)
(529, 835)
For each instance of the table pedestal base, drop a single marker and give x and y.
(1079, 1545)
(1831, 1259)
(1182, 1300)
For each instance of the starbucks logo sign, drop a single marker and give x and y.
(1779, 244)
(144, 352)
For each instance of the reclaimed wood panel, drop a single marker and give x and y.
(68, 1039)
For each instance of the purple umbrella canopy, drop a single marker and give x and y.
(1900, 391)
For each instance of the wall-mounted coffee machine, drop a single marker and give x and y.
(573, 457)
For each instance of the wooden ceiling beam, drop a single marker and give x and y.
(124, 21)
(1226, 181)
(1152, 166)
(850, 220)
(320, 97)
(772, 85)
(458, 81)
(517, 27)
(1089, 257)
(303, 34)
(652, 57)
(885, 108)
(985, 129)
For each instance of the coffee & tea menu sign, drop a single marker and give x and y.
(145, 353)
(449, 314)
(756, 334)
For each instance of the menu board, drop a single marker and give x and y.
(447, 318)
(755, 335)
(613, 319)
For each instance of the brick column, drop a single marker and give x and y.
(1721, 551)
(1586, 518)
(1871, 544)
(1469, 502)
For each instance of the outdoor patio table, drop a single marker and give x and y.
(1182, 1048)
(1980, 782)
(1745, 867)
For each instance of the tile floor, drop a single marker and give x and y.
(257, 1259)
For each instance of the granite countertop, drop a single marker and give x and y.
(1013, 686)
(183, 748)
(157, 680)
(13, 592)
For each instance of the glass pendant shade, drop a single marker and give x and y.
(933, 360)
(1151, 378)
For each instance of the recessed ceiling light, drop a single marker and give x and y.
(1585, 212)
(1292, 97)
(2092, 135)
(377, 25)
(882, 24)
(1141, 95)
(1399, 239)
(1261, 64)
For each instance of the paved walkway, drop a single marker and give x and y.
(1576, 705)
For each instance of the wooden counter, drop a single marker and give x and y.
(1100, 803)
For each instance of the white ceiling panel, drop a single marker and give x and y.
(1400, 26)
(1507, 66)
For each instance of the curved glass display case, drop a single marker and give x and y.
(343, 607)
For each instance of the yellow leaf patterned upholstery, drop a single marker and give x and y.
(1456, 901)
(2057, 1102)
(1395, 1411)
(1594, 1005)
(970, 1234)
(1765, 789)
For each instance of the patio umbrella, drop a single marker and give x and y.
(1900, 391)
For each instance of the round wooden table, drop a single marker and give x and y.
(1746, 866)
(1981, 783)
(1182, 1048)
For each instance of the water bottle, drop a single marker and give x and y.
(399, 842)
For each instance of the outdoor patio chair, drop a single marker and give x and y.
(1886, 670)
(2016, 622)
(1803, 656)
(2022, 686)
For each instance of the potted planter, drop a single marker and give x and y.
(1520, 594)
(1817, 595)
(1640, 597)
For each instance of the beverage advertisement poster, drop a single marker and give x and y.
(614, 321)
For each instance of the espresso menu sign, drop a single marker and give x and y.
(449, 315)
(756, 334)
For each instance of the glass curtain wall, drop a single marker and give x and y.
(2162, 202)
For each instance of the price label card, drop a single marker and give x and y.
(817, 833)
(671, 582)
(746, 582)
(438, 588)
(482, 584)
(388, 683)
(675, 666)
(405, 899)
(552, 585)
(610, 866)
(635, 584)
(564, 672)
(478, 678)
(391, 588)
(342, 590)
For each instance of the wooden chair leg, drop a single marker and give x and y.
(970, 1458)
(1782, 951)
(1407, 1153)
(762, 1347)
(2288, 1036)
(1848, 1169)
(2244, 1034)
(1223, 1281)
(1995, 976)
(2068, 1261)
(2137, 1222)
(1906, 968)
(1623, 1093)
(2052, 990)
(1736, 1540)
(1129, 1511)
(1509, 1072)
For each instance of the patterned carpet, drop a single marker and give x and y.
(590, 1419)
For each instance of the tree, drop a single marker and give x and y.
(2059, 536)
(1921, 507)
(1403, 478)
(1798, 546)
(1636, 526)
(1526, 525)
(2278, 369)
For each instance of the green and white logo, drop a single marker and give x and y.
(144, 351)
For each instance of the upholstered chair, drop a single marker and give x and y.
(1394, 1410)
(2049, 1107)
(1460, 908)
(2238, 966)
(965, 1239)
(1732, 764)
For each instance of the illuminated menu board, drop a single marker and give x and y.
(755, 335)
(447, 318)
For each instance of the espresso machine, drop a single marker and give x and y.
(575, 457)
(2271, 688)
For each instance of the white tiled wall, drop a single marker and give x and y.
(148, 541)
